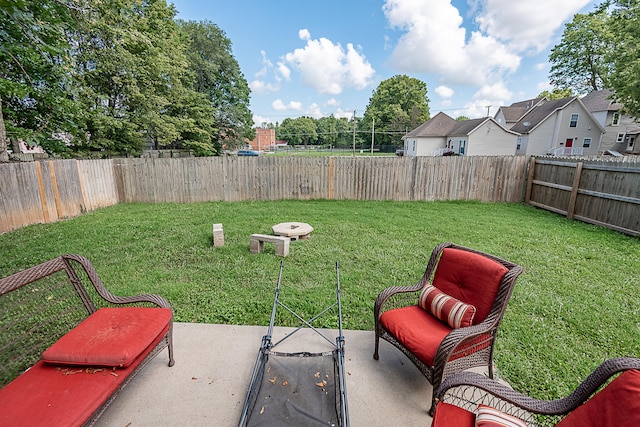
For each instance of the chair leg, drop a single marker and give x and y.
(377, 343)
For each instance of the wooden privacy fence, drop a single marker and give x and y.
(47, 191)
(605, 193)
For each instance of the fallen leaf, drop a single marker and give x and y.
(285, 383)
(317, 375)
(261, 410)
(322, 383)
(273, 380)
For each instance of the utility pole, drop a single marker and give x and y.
(488, 107)
(373, 133)
(354, 133)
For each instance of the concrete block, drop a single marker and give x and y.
(218, 235)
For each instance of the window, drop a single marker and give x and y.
(414, 146)
(463, 144)
(616, 119)
(620, 137)
(519, 145)
(574, 120)
(586, 143)
(631, 140)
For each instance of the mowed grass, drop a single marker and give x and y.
(576, 304)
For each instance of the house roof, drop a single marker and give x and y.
(541, 112)
(537, 115)
(600, 100)
(443, 125)
(465, 127)
(515, 111)
(438, 125)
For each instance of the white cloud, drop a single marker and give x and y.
(332, 103)
(258, 120)
(262, 88)
(284, 71)
(497, 91)
(444, 92)
(436, 41)
(340, 113)
(304, 34)
(314, 111)
(278, 105)
(545, 85)
(327, 67)
(541, 66)
(487, 98)
(525, 25)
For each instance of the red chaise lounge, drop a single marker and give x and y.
(68, 346)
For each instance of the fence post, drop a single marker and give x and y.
(532, 169)
(574, 191)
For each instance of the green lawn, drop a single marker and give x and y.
(576, 304)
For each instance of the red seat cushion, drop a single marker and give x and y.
(48, 395)
(471, 278)
(110, 337)
(618, 404)
(448, 415)
(417, 330)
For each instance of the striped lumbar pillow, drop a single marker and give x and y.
(489, 417)
(445, 307)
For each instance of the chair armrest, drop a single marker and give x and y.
(387, 294)
(498, 392)
(95, 280)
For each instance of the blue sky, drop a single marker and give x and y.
(318, 58)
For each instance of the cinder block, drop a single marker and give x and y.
(218, 235)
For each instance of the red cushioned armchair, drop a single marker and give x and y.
(448, 321)
(468, 399)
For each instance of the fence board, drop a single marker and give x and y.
(605, 193)
(49, 190)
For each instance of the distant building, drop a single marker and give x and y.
(622, 130)
(265, 140)
(442, 135)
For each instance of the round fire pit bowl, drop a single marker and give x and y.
(293, 230)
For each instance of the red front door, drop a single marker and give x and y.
(569, 143)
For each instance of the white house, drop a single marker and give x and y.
(621, 130)
(443, 135)
(562, 127)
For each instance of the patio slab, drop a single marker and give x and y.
(208, 383)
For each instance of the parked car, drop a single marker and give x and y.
(248, 153)
(400, 152)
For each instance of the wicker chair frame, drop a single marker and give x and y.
(469, 389)
(456, 344)
(41, 303)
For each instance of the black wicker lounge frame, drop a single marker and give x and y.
(298, 388)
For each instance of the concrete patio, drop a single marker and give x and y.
(208, 383)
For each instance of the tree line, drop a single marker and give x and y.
(600, 50)
(103, 78)
(398, 105)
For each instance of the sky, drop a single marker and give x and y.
(322, 57)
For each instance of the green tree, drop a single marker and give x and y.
(216, 74)
(398, 105)
(34, 83)
(581, 62)
(333, 131)
(462, 118)
(131, 62)
(302, 130)
(556, 94)
(625, 77)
